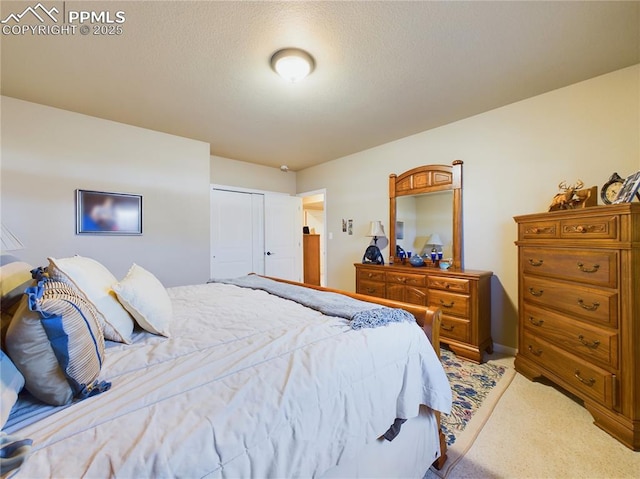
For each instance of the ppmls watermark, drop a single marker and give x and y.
(39, 20)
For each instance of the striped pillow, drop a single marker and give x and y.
(56, 342)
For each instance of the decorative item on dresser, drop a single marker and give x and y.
(372, 254)
(464, 296)
(629, 189)
(611, 188)
(573, 196)
(579, 309)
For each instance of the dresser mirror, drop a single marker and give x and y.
(426, 203)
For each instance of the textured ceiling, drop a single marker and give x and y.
(384, 70)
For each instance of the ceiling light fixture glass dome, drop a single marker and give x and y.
(292, 64)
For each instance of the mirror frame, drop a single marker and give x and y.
(428, 179)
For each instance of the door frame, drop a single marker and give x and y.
(324, 235)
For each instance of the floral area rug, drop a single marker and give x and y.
(476, 388)
(470, 383)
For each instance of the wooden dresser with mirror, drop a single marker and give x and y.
(427, 200)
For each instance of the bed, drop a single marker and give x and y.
(248, 384)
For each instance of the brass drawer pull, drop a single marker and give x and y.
(535, 263)
(446, 328)
(371, 290)
(536, 293)
(593, 307)
(592, 345)
(588, 382)
(537, 231)
(536, 352)
(450, 305)
(592, 270)
(536, 322)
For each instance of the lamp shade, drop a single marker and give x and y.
(376, 229)
(9, 241)
(434, 240)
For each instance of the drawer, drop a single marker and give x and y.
(539, 230)
(455, 285)
(592, 343)
(371, 275)
(597, 267)
(371, 288)
(450, 303)
(592, 227)
(599, 306)
(406, 278)
(455, 328)
(578, 374)
(415, 296)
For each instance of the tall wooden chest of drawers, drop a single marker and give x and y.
(579, 309)
(463, 296)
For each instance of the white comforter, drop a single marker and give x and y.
(249, 385)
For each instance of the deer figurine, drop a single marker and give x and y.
(563, 200)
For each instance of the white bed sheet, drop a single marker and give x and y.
(249, 385)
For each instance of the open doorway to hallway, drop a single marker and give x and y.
(314, 220)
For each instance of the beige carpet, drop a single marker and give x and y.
(536, 431)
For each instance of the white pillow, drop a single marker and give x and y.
(94, 281)
(144, 296)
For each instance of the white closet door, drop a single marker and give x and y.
(283, 236)
(236, 239)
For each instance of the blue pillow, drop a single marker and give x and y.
(56, 342)
(12, 383)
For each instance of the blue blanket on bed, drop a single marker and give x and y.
(361, 314)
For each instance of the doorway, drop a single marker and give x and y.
(314, 217)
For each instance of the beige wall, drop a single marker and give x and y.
(228, 172)
(48, 153)
(514, 157)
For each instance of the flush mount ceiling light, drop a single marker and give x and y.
(292, 64)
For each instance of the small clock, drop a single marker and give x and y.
(611, 188)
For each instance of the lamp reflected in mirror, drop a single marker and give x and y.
(434, 247)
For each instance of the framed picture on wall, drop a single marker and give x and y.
(629, 189)
(102, 213)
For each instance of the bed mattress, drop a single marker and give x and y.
(248, 385)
